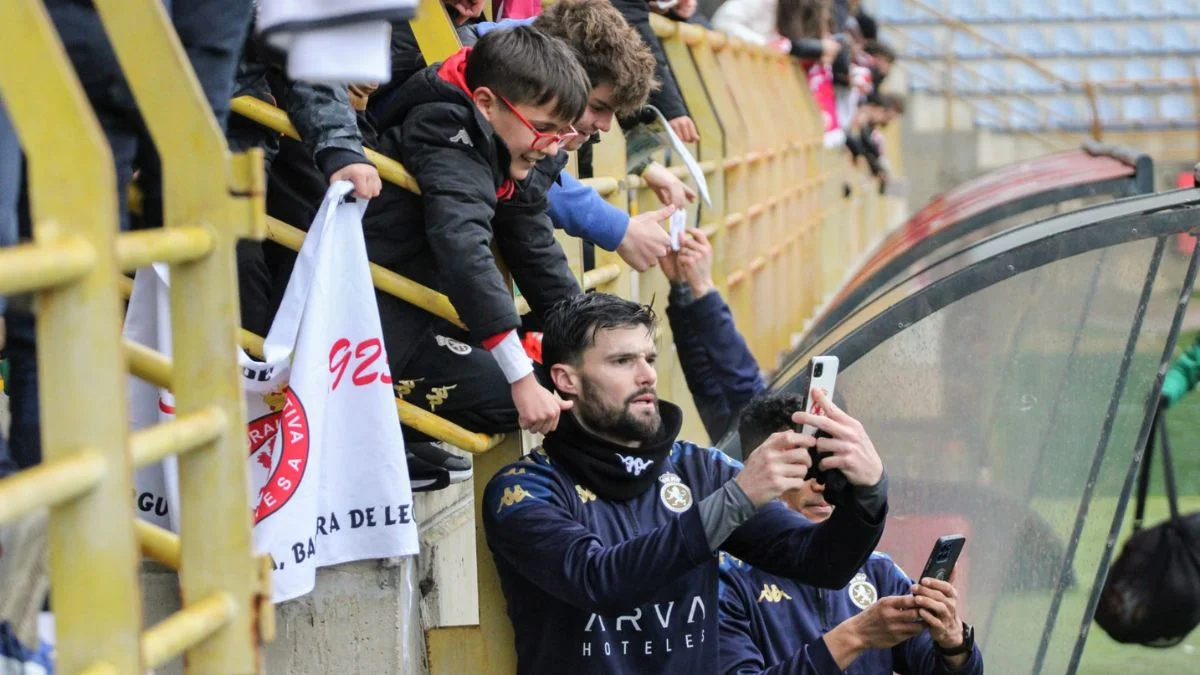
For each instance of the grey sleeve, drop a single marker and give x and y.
(723, 511)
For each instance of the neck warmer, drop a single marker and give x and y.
(613, 471)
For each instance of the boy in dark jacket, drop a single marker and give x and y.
(772, 624)
(471, 131)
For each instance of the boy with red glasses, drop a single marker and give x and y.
(471, 130)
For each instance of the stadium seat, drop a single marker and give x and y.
(1067, 40)
(1178, 109)
(920, 42)
(1104, 71)
(966, 46)
(1105, 40)
(966, 82)
(1176, 40)
(987, 114)
(1068, 70)
(965, 10)
(1176, 69)
(1141, 40)
(919, 76)
(1023, 114)
(1036, 10)
(1067, 113)
(1107, 9)
(1178, 9)
(1073, 9)
(1138, 111)
(1030, 81)
(1000, 10)
(996, 34)
(1032, 41)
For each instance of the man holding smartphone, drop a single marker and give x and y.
(880, 623)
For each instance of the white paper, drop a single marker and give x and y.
(678, 225)
(690, 162)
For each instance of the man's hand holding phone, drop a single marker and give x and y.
(937, 605)
(848, 446)
(778, 465)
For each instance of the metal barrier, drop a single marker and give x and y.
(782, 231)
(210, 199)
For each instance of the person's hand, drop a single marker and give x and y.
(645, 239)
(364, 177)
(695, 262)
(778, 465)
(685, 129)
(937, 606)
(851, 449)
(667, 186)
(537, 408)
(884, 624)
(463, 10)
(829, 50)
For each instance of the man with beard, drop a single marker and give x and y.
(606, 538)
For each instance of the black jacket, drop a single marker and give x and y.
(443, 237)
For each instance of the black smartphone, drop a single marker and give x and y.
(943, 557)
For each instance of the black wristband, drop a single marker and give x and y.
(967, 645)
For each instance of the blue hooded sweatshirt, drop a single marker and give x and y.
(600, 586)
(771, 624)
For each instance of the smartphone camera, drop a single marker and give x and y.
(818, 369)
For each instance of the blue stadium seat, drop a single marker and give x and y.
(1023, 114)
(987, 114)
(1138, 111)
(1030, 81)
(1179, 8)
(966, 82)
(1141, 40)
(1176, 69)
(1067, 40)
(1067, 70)
(965, 10)
(996, 34)
(1175, 39)
(1032, 41)
(919, 76)
(1073, 9)
(1110, 110)
(1102, 71)
(920, 42)
(1036, 10)
(1178, 108)
(966, 46)
(1107, 9)
(1000, 10)
(1104, 40)
(1140, 69)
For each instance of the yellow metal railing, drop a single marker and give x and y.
(210, 200)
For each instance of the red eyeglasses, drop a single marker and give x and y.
(541, 140)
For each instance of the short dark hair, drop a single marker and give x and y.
(571, 325)
(765, 415)
(880, 50)
(528, 67)
(610, 50)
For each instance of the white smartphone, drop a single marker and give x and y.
(822, 374)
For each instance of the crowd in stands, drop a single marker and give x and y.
(613, 514)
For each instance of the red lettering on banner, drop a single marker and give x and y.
(366, 353)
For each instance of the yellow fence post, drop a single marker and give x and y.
(93, 551)
(202, 186)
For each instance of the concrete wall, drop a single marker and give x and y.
(366, 617)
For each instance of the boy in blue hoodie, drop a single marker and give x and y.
(882, 622)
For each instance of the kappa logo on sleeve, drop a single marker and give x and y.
(512, 495)
(773, 593)
(462, 137)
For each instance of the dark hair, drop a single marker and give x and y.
(796, 19)
(880, 50)
(528, 67)
(765, 415)
(609, 49)
(571, 325)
